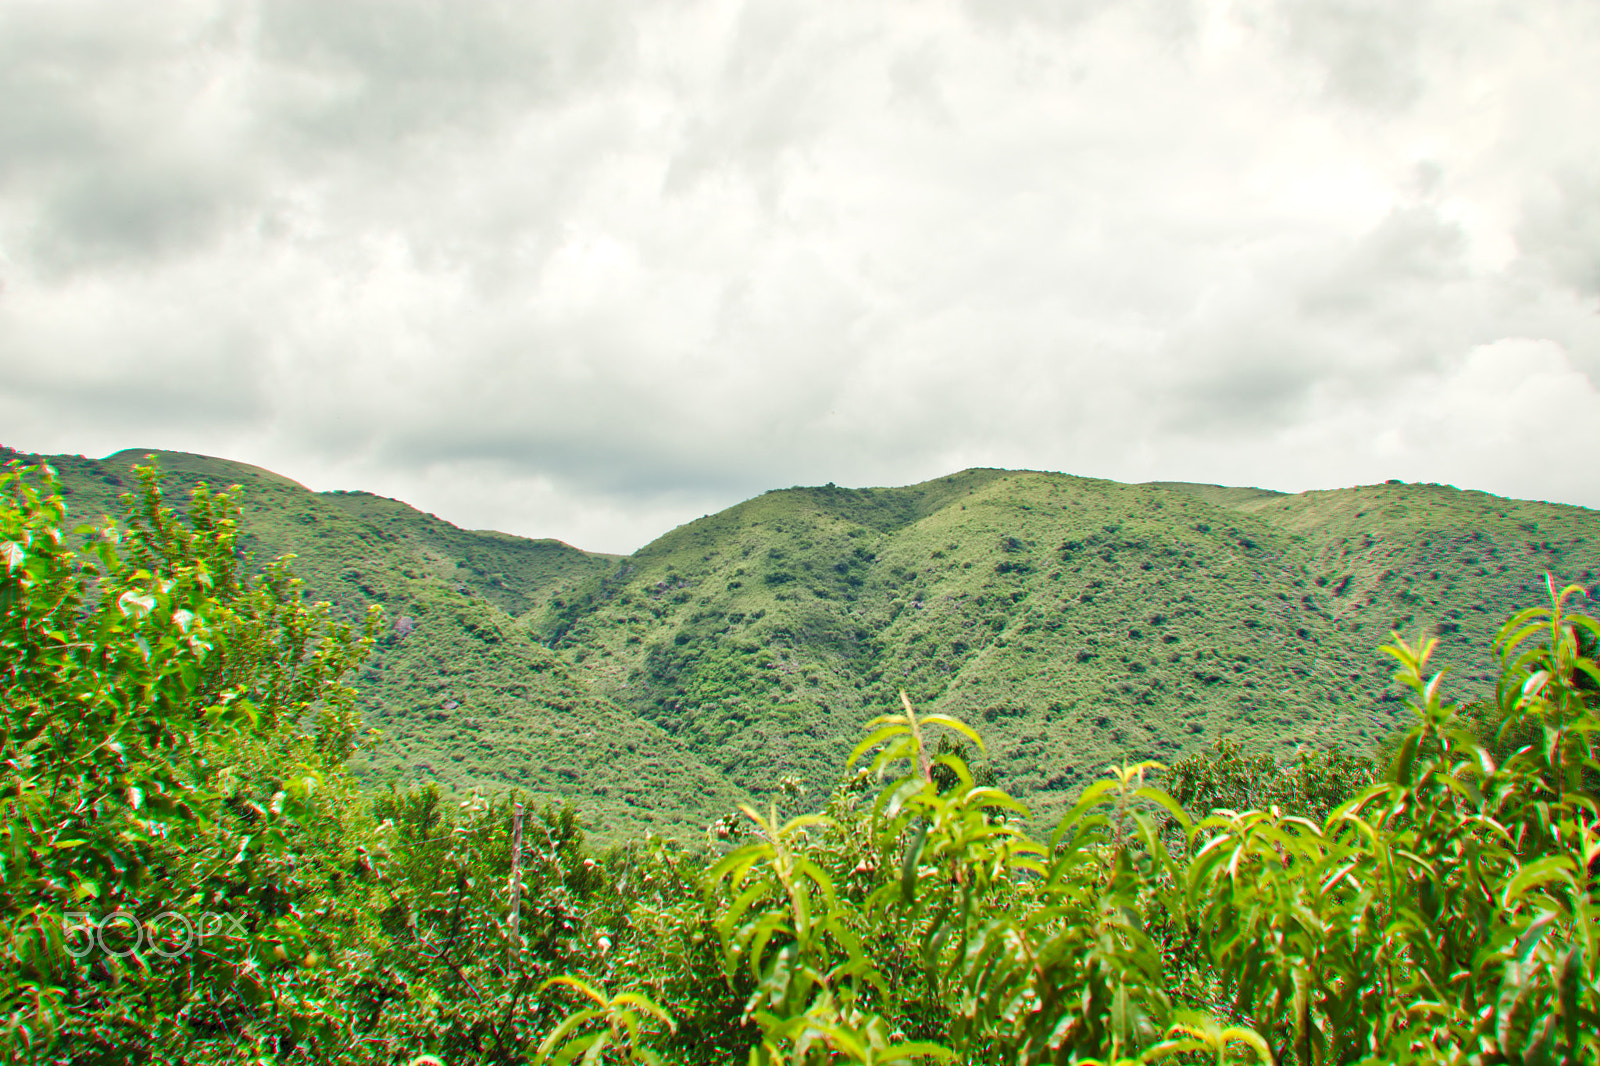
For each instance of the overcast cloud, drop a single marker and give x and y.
(588, 270)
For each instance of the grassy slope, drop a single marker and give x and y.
(1073, 621)
(468, 697)
(1432, 556)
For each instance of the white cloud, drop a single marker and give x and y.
(585, 271)
(1510, 417)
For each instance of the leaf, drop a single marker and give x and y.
(135, 605)
(801, 900)
(911, 862)
(986, 796)
(560, 1032)
(953, 723)
(895, 799)
(1167, 803)
(1548, 869)
(1514, 992)
(1569, 978)
(1240, 1035)
(1524, 945)
(577, 985)
(917, 1049)
(873, 740)
(938, 935)
(647, 1005)
(594, 1053)
(1508, 640)
(1090, 797)
(818, 877)
(1121, 1016)
(1406, 758)
(746, 899)
(571, 1051)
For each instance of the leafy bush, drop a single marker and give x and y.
(187, 871)
(1445, 912)
(176, 733)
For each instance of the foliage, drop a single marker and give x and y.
(188, 872)
(1226, 777)
(1078, 622)
(176, 738)
(1444, 912)
(1448, 909)
(172, 749)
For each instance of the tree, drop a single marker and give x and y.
(1226, 777)
(171, 785)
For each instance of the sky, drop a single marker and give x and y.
(591, 270)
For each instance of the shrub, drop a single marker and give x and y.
(176, 732)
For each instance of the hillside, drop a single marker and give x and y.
(1073, 621)
(457, 688)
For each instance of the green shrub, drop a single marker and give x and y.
(176, 738)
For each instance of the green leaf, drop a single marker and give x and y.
(647, 1005)
(577, 985)
(1167, 803)
(911, 862)
(986, 796)
(1569, 979)
(917, 1049)
(873, 739)
(1541, 872)
(1121, 1016)
(956, 724)
(568, 1025)
(1091, 796)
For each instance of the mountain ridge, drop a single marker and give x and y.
(1074, 621)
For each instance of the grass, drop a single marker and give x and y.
(1074, 621)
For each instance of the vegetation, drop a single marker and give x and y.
(1076, 622)
(457, 684)
(190, 873)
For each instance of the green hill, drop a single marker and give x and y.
(459, 690)
(1073, 621)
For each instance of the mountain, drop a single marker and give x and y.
(1074, 622)
(459, 687)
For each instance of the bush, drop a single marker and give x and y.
(1312, 913)
(176, 732)
(171, 773)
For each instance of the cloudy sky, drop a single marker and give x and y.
(588, 270)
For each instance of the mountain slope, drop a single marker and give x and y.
(1075, 622)
(458, 690)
